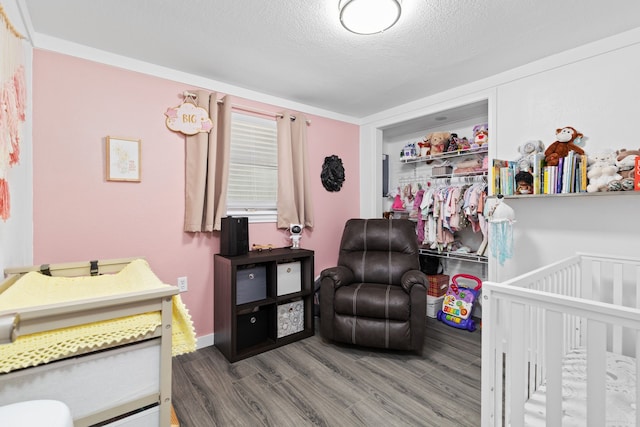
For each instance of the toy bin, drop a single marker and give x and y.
(434, 304)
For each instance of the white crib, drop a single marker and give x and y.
(560, 345)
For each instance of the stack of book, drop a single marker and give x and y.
(569, 176)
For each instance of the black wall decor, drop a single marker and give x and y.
(332, 174)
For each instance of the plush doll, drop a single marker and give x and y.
(425, 148)
(566, 140)
(454, 143)
(601, 171)
(527, 151)
(438, 142)
(524, 182)
(480, 135)
(464, 144)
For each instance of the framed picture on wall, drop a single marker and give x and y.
(123, 159)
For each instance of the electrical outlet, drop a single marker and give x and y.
(182, 284)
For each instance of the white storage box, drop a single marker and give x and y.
(290, 318)
(434, 304)
(289, 278)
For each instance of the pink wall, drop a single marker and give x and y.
(78, 215)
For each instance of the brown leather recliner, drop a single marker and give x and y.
(376, 296)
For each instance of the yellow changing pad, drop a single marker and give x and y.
(35, 289)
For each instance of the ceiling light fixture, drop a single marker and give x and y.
(369, 16)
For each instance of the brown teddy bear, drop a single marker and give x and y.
(566, 139)
(439, 141)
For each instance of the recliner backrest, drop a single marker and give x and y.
(379, 250)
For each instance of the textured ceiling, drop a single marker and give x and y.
(297, 50)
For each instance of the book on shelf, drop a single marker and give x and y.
(495, 182)
(538, 164)
(559, 175)
(504, 173)
(506, 181)
(550, 179)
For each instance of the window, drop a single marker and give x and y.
(253, 170)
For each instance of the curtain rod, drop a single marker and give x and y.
(245, 108)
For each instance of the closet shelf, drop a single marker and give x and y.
(460, 175)
(471, 257)
(454, 154)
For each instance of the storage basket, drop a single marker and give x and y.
(441, 170)
(438, 284)
(290, 318)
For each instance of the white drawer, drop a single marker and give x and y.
(289, 279)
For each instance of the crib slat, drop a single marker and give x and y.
(553, 356)
(517, 366)
(616, 332)
(596, 372)
(492, 367)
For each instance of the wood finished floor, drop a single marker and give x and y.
(312, 382)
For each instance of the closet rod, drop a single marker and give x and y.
(245, 108)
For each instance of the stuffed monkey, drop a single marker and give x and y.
(566, 139)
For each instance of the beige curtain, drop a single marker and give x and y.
(294, 188)
(207, 167)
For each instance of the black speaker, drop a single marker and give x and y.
(234, 236)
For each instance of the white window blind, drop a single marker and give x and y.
(253, 169)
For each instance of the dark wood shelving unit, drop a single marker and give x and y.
(250, 328)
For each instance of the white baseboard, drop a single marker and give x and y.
(205, 341)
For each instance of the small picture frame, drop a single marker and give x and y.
(123, 159)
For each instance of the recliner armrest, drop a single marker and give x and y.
(414, 277)
(339, 275)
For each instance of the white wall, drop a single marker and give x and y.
(599, 96)
(594, 88)
(16, 234)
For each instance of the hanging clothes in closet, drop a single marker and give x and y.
(447, 208)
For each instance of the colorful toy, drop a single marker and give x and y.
(457, 305)
(260, 247)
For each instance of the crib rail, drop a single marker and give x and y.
(532, 321)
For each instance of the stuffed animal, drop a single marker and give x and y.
(567, 139)
(409, 152)
(454, 143)
(480, 135)
(527, 151)
(524, 182)
(601, 171)
(626, 162)
(624, 184)
(438, 142)
(464, 144)
(425, 148)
